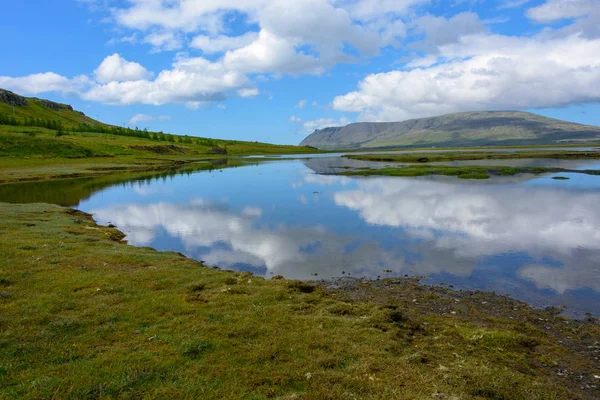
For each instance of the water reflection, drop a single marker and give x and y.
(223, 238)
(531, 237)
(558, 230)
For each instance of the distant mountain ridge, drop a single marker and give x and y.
(478, 128)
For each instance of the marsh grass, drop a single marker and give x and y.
(447, 156)
(101, 319)
(463, 172)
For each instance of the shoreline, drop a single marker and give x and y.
(500, 347)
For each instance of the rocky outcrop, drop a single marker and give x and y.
(12, 99)
(54, 106)
(218, 150)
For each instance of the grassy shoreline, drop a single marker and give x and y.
(33, 153)
(446, 156)
(83, 314)
(463, 172)
(16, 171)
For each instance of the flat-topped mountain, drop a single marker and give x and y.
(480, 128)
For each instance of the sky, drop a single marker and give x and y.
(276, 70)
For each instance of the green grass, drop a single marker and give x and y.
(36, 110)
(83, 315)
(446, 156)
(20, 141)
(464, 172)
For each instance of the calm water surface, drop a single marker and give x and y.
(532, 237)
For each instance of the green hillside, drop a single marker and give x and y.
(41, 140)
(32, 127)
(23, 108)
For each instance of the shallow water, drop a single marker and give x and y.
(532, 237)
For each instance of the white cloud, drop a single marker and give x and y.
(484, 72)
(301, 104)
(116, 68)
(131, 39)
(221, 43)
(310, 126)
(44, 82)
(303, 36)
(554, 10)
(164, 41)
(311, 36)
(193, 81)
(137, 118)
(271, 53)
(249, 92)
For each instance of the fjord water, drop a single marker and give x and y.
(532, 237)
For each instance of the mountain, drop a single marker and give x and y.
(12, 104)
(480, 128)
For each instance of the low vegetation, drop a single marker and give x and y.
(83, 315)
(447, 156)
(41, 139)
(463, 172)
(34, 153)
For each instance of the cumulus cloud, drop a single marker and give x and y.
(484, 72)
(301, 104)
(45, 82)
(459, 66)
(192, 81)
(289, 40)
(116, 68)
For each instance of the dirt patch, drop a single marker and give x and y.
(160, 149)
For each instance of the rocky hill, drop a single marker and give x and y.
(12, 104)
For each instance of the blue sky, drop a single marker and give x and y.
(275, 70)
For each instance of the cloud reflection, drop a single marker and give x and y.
(471, 222)
(224, 239)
